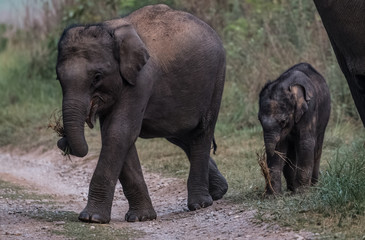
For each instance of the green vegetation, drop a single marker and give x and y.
(3, 39)
(79, 231)
(11, 191)
(44, 208)
(342, 186)
(262, 38)
(26, 99)
(335, 207)
(73, 228)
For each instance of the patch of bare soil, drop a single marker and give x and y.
(67, 181)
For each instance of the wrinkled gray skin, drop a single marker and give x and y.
(344, 21)
(155, 73)
(294, 112)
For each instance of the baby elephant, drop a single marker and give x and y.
(294, 112)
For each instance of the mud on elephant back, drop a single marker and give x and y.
(155, 73)
(294, 111)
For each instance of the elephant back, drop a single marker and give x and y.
(172, 35)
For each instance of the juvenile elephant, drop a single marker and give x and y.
(344, 21)
(294, 112)
(155, 73)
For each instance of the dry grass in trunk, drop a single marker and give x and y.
(55, 123)
(261, 159)
(265, 171)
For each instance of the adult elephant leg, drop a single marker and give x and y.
(135, 189)
(217, 183)
(290, 167)
(198, 181)
(305, 162)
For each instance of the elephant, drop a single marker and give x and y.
(156, 73)
(344, 21)
(294, 111)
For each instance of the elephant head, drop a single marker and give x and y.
(282, 105)
(95, 63)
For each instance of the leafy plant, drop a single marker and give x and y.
(3, 38)
(341, 188)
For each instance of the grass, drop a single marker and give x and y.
(44, 208)
(81, 231)
(73, 228)
(13, 192)
(26, 101)
(160, 156)
(335, 208)
(342, 183)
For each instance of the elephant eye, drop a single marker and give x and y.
(97, 78)
(282, 122)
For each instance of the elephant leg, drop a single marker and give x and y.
(290, 167)
(275, 164)
(101, 191)
(317, 159)
(218, 185)
(198, 181)
(116, 144)
(305, 162)
(135, 189)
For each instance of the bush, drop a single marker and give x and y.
(26, 100)
(341, 188)
(86, 11)
(3, 38)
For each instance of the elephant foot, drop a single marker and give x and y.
(87, 216)
(290, 186)
(198, 202)
(218, 186)
(140, 215)
(271, 191)
(300, 189)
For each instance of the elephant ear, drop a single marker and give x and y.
(301, 104)
(302, 89)
(133, 54)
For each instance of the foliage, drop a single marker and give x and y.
(262, 39)
(342, 189)
(86, 11)
(3, 38)
(335, 207)
(26, 100)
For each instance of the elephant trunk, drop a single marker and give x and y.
(271, 140)
(74, 114)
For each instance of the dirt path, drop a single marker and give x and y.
(50, 173)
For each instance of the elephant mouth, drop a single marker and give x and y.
(94, 106)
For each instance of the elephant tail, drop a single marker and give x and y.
(214, 146)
